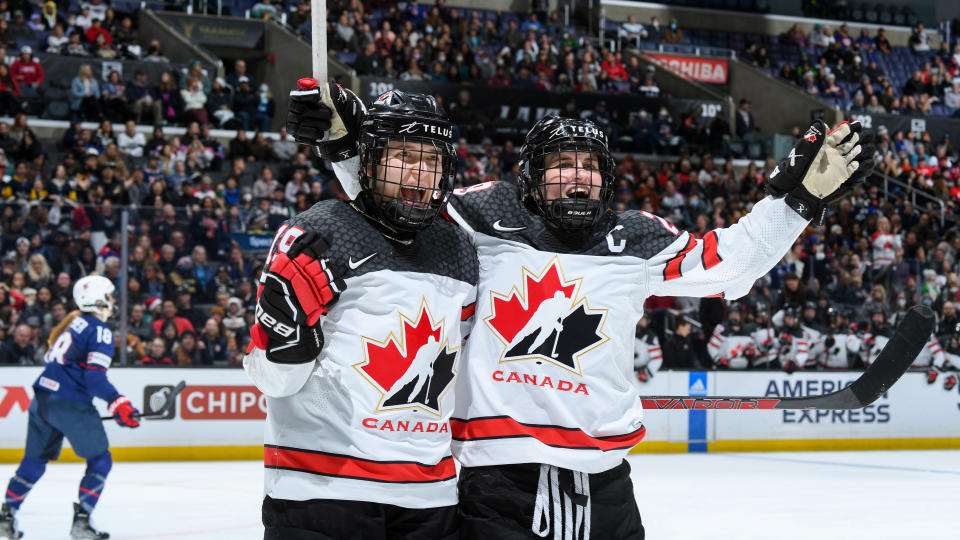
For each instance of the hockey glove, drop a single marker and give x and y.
(950, 382)
(299, 287)
(124, 413)
(326, 118)
(822, 168)
(932, 374)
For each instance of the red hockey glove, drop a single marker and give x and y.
(326, 118)
(644, 374)
(950, 382)
(124, 413)
(932, 375)
(298, 288)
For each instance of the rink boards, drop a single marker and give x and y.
(220, 415)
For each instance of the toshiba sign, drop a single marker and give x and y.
(699, 69)
(222, 403)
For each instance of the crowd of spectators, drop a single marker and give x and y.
(190, 292)
(844, 68)
(435, 43)
(191, 289)
(97, 31)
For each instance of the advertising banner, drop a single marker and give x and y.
(706, 70)
(216, 31)
(220, 414)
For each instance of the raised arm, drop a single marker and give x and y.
(821, 168)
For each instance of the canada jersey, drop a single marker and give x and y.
(547, 370)
(77, 362)
(370, 420)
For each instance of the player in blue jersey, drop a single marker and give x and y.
(79, 352)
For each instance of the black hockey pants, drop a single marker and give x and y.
(328, 519)
(534, 501)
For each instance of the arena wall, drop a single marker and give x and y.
(219, 416)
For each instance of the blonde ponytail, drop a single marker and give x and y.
(55, 333)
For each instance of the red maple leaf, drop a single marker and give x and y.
(511, 313)
(387, 361)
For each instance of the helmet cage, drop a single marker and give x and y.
(396, 152)
(543, 148)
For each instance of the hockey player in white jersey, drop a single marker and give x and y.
(542, 439)
(949, 362)
(732, 345)
(542, 435)
(360, 315)
(839, 344)
(793, 350)
(764, 337)
(813, 331)
(877, 336)
(647, 354)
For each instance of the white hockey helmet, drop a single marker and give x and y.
(94, 294)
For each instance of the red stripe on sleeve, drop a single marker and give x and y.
(672, 270)
(468, 311)
(710, 256)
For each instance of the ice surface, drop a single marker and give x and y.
(800, 495)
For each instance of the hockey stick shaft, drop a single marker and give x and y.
(318, 43)
(167, 405)
(892, 362)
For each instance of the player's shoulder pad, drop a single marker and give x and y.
(644, 234)
(491, 207)
(450, 251)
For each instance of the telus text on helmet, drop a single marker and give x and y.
(568, 130)
(420, 127)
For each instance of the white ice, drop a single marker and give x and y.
(737, 496)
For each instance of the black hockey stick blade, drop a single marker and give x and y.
(892, 362)
(167, 405)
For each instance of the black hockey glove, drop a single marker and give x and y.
(326, 118)
(298, 288)
(822, 168)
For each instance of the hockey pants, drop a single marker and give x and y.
(533, 501)
(329, 519)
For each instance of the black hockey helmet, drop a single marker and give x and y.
(566, 201)
(790, 310)
(407, 159)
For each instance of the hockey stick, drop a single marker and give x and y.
(167, 405)
(894, 360)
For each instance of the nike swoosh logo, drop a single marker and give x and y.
(497, 226)
(356, 264)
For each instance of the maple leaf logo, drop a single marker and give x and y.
(546, 320)
(413, 368)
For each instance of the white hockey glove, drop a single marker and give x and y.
(822, 167)
(326, 118)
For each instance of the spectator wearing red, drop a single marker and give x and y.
(157, 354)
(9, 92)
(614, 67)
(170, 314)
(95, 30)
(26, 70)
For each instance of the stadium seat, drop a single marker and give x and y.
(885, 17)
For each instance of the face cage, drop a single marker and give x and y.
(395, 191)
(571, 213)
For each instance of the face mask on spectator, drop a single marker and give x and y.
(901, 302)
